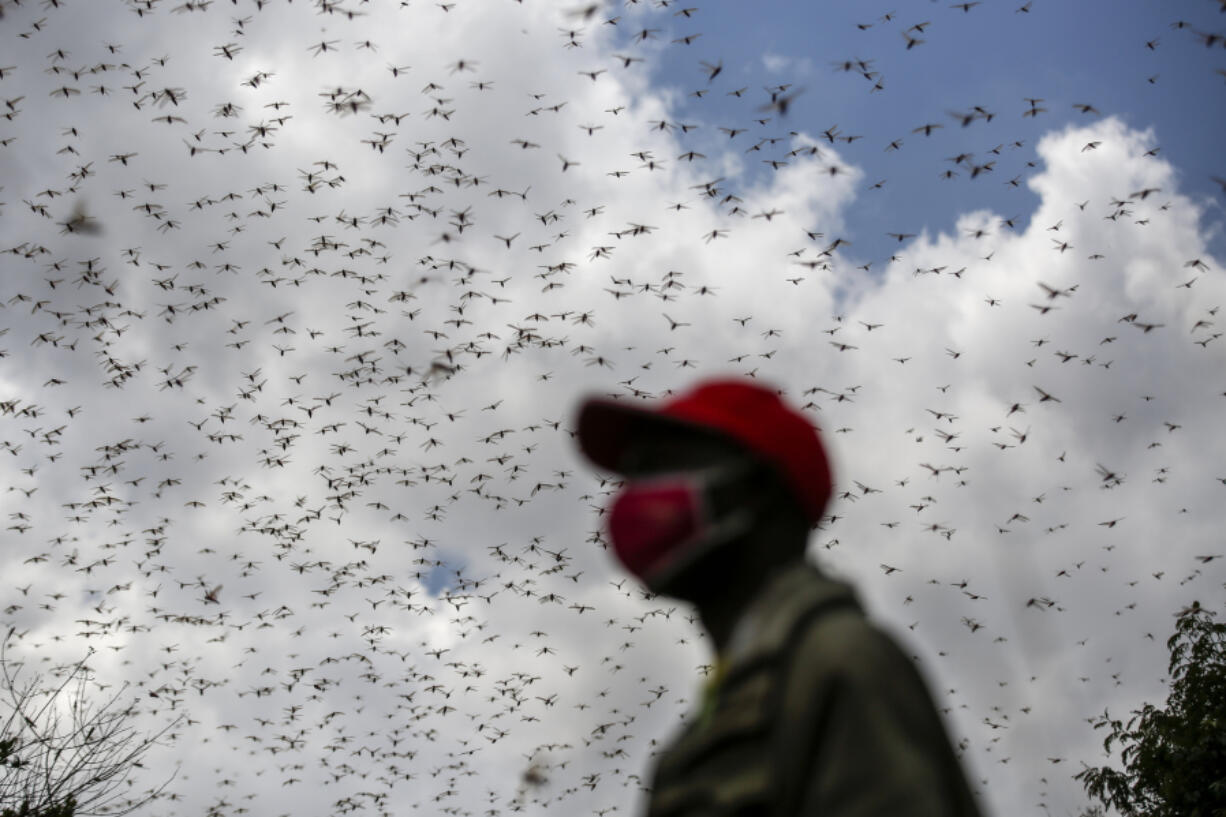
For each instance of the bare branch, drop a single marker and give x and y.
(60, 745)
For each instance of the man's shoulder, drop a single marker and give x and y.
(821, 623)
(850, 646)
(790, 604)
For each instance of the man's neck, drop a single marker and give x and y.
(725, 606)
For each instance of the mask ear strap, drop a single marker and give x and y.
(729, 526)
(743, 485)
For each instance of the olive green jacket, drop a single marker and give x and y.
(815, 713)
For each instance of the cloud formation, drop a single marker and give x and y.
(290, 424)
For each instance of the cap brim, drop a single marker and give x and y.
(606, 427)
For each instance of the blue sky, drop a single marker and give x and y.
(1091, 52)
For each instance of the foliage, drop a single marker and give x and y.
(1174, 758)
(63, 754)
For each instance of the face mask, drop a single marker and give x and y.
(660, 524)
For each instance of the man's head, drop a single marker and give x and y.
(724, 477)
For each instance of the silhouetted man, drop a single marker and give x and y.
(809, 710)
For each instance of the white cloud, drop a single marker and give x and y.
(790, 66)
(324, 430)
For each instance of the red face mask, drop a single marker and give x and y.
(657, 521)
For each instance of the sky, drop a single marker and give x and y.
(299, 301)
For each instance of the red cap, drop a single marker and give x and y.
(746, 412)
